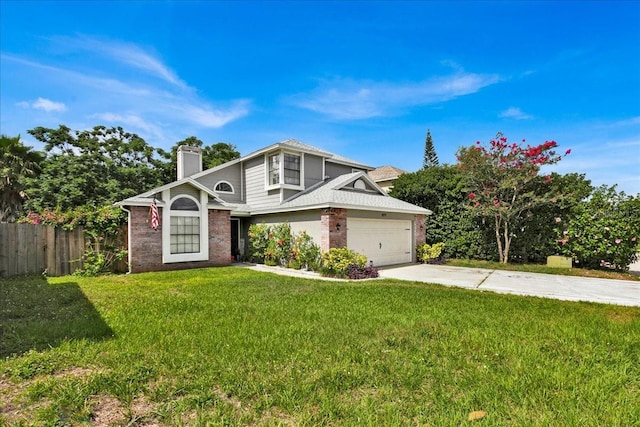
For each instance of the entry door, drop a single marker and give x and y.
(235, 237)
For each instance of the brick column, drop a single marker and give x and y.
(333, 228)
(420, 232)
(219, 237)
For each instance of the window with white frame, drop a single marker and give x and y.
(274, 169)
(185, 237)
(291, 169)
(284, 169)
(185, 226)
(223, 187)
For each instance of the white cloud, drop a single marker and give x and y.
(127, 53)
(215, 118)
(43, 104)
(141, 101)
(515, 113)
(130, 120)
(351, 99)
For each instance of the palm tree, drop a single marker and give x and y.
(17, 162)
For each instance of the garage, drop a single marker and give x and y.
(383, 241)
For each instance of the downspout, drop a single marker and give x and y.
(128, 238)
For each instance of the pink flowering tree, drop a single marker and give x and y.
(501, 178)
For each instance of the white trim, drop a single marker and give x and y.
(203, 255)
(281, 184)
(222, 191)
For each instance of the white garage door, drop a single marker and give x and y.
(384, 241)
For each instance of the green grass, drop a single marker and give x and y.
(231, 346)
(539, 268)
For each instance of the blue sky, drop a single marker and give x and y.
(362, 79)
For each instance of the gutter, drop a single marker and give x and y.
(128, 237)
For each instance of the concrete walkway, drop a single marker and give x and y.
(607, 291)
(570, 288)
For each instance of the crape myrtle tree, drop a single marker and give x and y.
(18, 163)
(501, 180)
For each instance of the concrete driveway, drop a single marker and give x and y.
(621, 292)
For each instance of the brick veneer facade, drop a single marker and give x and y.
(420, 232)
(331, 237)
(146, 243)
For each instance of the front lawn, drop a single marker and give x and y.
(231, 346)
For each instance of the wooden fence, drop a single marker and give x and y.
(35, 249)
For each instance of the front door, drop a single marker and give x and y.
(235, 238)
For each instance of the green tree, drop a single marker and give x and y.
(502, 181)
(534, 236)
(443, 190)
(18, 163)
(212, 155)
(93, 167)
(430, 156)
(603, 231)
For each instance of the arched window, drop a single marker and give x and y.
(223, 187)
(185, 226)
(359, 185)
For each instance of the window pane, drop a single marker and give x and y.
(184, 204)
(291, 169)
(274, 169)
(185, 234)
(223, 186)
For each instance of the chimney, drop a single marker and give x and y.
(189, 161)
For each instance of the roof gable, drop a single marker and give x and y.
(145, 199)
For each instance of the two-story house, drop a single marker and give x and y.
(205, 215)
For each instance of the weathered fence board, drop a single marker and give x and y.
(35, 249)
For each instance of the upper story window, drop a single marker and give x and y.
(284, 169)
(274, 169)
(223, 187)
(291, 169)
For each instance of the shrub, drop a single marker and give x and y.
(277, 245)
(430, 254)
(102, 225)
(258, 242)
(337, 261)
(305, 253)
(368, 272)
(604, 231)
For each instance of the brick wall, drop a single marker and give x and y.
(146, 243)
(331, 237)
(420, 232)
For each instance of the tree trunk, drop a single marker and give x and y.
(498, 239)
(507, 243)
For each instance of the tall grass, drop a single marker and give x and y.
(230, 346)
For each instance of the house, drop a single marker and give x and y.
(385, 175)
(204, 216)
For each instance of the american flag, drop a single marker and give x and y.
(155, 217)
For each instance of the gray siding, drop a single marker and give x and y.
(231, 174)
(256, 194)
(334, 169)
(186, 189)
(312, 170)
